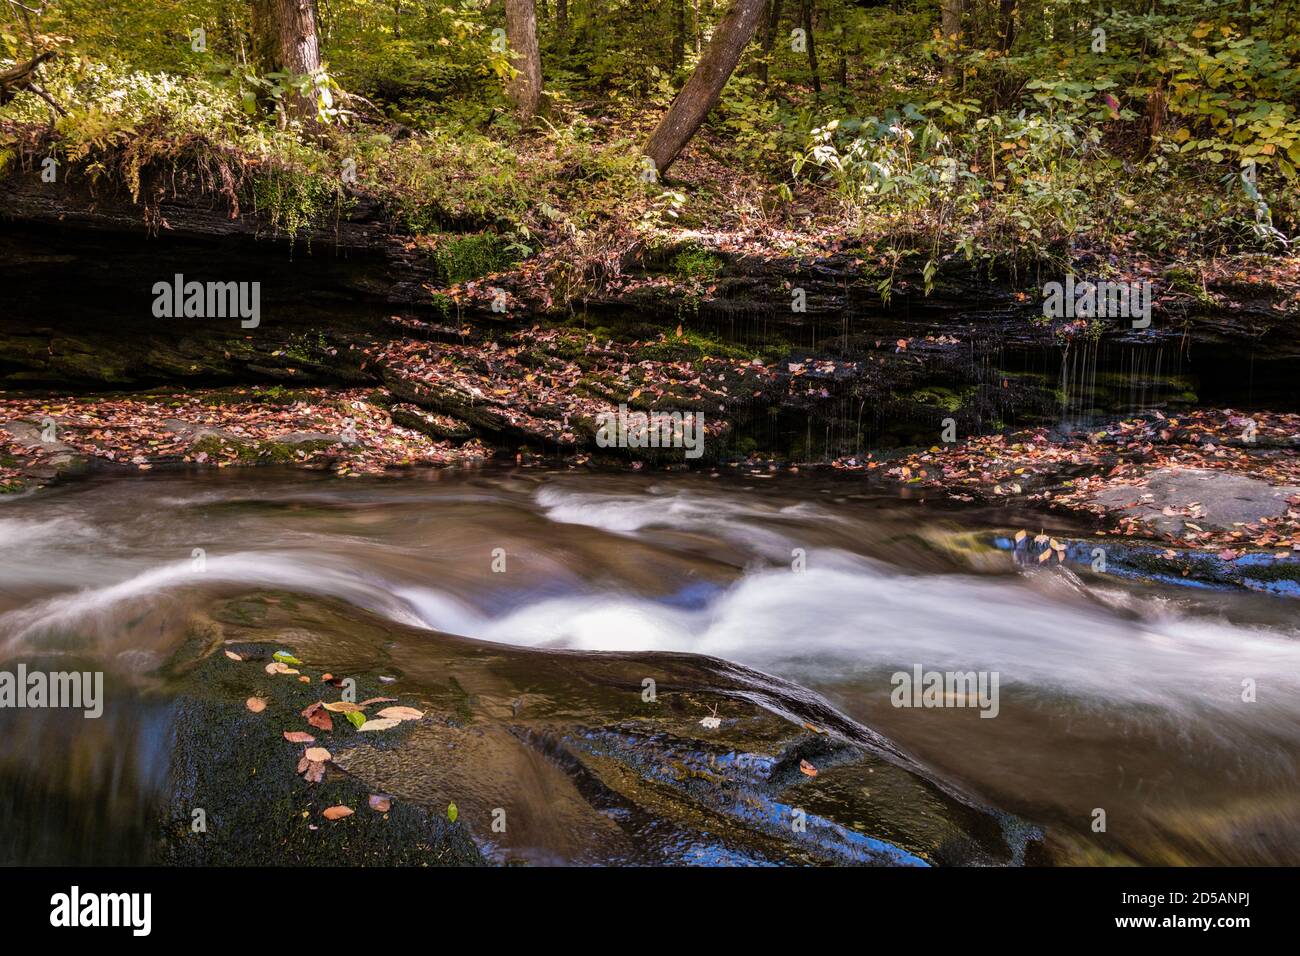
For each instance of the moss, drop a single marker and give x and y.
(292, 199)
(214, 446)
(273, 395)
(945, 398)
(698, 265)
(691, 346)
(461, 258)
(259, 811)
(441, 304)
(1273, 571)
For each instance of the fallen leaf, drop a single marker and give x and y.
(299, 737)
(317, 717)
(342, 706)
(318, 754)
(356, 718)
(233, 656)
(452, 812)
(337, 813)
(255, 704)
(285, 657)
(379, 724)
(380, 804)
(807, 768)
(376, 700)
(401, 713)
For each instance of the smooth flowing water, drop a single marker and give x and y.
(1113, 695)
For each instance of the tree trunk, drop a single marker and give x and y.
(679, 32)
(562, 16)
(285, 41)
(21, 76)
(950, 27)
(770, 28)
(525, 88)
(808, 11)
(704, 88)
(1007, 28)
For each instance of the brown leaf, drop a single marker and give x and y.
(379, 803)
(337, 813)
(303, 764)
(233, 656)
(299, 737)
(255, 704)
(315, 771)
(376, 700)
(317, 717)
(342, 707)
(401, 713)
(807, 768)
(318, 754)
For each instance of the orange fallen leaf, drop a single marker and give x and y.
(255, 704)
(337, 813)
(299, 737)
(807, 768)
(233, 656)
(342, 707)
(318, 754)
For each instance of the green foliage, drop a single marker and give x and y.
(1179, 133)
(462, 258)
(697, 265)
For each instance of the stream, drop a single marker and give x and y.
(1115, 695)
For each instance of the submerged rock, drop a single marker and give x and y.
(549, 756)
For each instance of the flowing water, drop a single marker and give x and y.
(1113, 695)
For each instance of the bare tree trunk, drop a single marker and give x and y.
(525, 88)
(704, 88)
(285, 40)
(562, 16)
(679, 32)
(950, 26)
(770, 27)
(1007, 27)
(808, 12)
